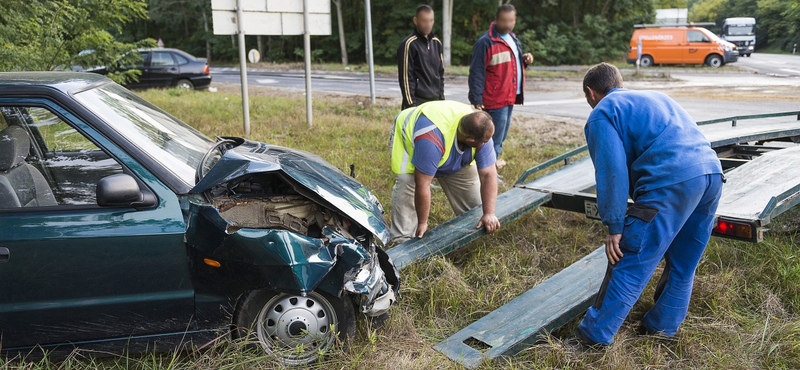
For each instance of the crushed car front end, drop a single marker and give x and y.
(268, 218)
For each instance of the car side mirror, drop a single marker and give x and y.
(122, 190)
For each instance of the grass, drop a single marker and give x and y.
(745, 311)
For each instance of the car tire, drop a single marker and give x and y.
(714, 61)
(184, 84)
(748, 55)
(293, 329)
(646, 61)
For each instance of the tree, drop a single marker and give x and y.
(342, 43)
(447, 26)
(40, 35)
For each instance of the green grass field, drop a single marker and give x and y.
(745, 311)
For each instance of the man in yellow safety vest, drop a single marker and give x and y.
(448, 141)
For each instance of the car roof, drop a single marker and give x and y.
(179, 51)
(65, 82)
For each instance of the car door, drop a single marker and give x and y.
(73, 271)
(163, 69)
(144, 80)
(698, 47)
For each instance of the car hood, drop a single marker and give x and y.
(312, 173)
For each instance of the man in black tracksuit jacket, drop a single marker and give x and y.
(420, 64)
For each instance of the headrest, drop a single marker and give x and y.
(15, 144)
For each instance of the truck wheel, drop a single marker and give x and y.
(294, 329)
(646, 61)
(714, 61)
(184, 84)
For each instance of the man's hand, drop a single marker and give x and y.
(490, 222)
(527, 58)
(478, 106)
(421, 229)
(613, 252)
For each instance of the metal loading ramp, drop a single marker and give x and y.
(762, 162)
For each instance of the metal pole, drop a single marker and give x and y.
(307, 53)
(369, 52)
(243, 67)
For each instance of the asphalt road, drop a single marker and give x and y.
(565, 98)
(772, 64)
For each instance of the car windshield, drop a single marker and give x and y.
(168, 141)
(740, 30)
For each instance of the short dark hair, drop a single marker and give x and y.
(505, 8)
(476, 124)
(602, 78)
(424, 8)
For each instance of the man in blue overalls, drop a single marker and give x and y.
(643, 144)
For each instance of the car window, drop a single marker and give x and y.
(696, 36)
(47, 162)
(162, 59)
(143, 62)
(181, 60)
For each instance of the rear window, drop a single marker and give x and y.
(180, 59)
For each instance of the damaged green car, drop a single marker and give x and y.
(126, 229)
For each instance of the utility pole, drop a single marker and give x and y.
(307, 52)
(369, 52)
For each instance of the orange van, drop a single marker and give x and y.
(680, 45)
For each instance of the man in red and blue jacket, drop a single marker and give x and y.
(496, 74)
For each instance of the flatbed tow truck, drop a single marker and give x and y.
(760, 155)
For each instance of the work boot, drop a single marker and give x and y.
(577, 344)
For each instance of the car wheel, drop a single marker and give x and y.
(184, 84)
(714, 61)
(748, 55)
(646, 61)
(294, 329)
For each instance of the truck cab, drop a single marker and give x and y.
(740, 32)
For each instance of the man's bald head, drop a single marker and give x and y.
(477, 127)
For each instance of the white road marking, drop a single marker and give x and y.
(266, 81)
(790, 70)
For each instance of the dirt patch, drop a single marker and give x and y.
(549, 129)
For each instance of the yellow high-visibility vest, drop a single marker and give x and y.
(445, 116)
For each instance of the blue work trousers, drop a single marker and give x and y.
(678, 233)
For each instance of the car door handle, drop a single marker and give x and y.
(5, 254)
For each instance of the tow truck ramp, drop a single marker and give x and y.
(761, 159)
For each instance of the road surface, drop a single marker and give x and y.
(565, 98)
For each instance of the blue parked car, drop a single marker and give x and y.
(125, 229)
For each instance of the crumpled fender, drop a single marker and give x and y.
(272, 258)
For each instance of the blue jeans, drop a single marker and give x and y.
(678, 234)
(502, 120)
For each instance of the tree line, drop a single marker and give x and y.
(54, 34)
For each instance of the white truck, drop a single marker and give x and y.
(741, 32)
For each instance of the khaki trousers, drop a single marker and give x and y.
(463, 191)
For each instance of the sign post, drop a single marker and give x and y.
(243, 68)
(638, 54)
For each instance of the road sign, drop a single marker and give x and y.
(272, 17)
(254, 56)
